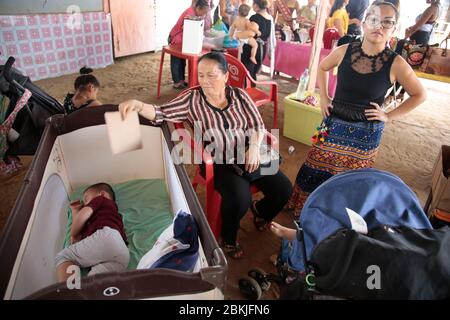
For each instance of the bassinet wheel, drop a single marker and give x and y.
(250, 288)
(261, 277)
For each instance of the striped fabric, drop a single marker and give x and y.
(349, 146)
(225, 127)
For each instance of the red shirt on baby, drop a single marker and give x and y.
(106, 214)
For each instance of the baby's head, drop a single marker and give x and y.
(98, 189)
(244, 9)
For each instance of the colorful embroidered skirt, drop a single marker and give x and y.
(348, 146)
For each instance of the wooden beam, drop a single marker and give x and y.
(317, 44)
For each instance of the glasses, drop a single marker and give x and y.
(374, 22)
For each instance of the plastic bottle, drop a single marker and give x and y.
(302, 85)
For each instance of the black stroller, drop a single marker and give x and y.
(29, 123)
(361, 235)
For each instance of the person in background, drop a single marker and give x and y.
(229, 10)
(338, 17)
(245, 30)
(208, 16)
(86, 90)
(282, 11)
(266, 39)
(308, 15)
(356, 10)
(177, 65)
(421, 31)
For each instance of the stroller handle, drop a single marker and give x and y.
(7, 69)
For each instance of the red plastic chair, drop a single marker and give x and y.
(329, 35)
(241, 78)
(213, 197)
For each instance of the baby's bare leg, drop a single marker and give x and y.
(283, 232)
(252, 42)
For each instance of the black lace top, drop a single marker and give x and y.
(361, 78)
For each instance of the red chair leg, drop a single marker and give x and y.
(275, 111)
(161, 63)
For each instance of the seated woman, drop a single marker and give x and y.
(308, 15)
(227, 117)
(339, 17)
(421, 31)
(177, 65)
(86, 90)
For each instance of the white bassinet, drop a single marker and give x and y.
(75, 151)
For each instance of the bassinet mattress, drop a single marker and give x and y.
(146, 212)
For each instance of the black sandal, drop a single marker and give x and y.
(233, 251)
(260, 223)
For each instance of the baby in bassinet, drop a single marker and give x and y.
(97, 233)
(245, 30)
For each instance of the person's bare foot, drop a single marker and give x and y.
(252, 59)
(283, 232)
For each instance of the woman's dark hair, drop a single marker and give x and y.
(390, 4)
(338, 4)
(262, 4)
(201, 4)
(86, 79)
(396, 3)
(217, 57)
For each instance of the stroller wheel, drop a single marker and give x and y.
(250, 288)
(261, 277)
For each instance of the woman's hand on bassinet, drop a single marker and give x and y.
(130, 105)
(145, 110)
(376, 114)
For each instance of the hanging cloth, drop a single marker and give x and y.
(13, 162)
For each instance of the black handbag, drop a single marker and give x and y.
(388, 263)
(270, 161)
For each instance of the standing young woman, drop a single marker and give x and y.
(354, 120)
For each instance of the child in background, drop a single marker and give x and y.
(245, 30)
(86, 90)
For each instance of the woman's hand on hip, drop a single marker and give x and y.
(376, 114)
(252, 158)
(325, 106)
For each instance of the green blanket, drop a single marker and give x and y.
(146, 213)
